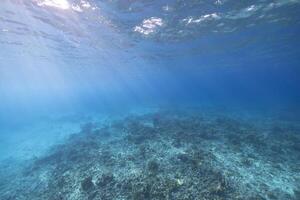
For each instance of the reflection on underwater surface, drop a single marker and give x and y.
(149, 99)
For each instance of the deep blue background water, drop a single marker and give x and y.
(110, 56)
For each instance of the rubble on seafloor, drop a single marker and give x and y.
(164, 155)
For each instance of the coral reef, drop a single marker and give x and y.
(164, 155)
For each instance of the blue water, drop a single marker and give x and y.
(64, 63)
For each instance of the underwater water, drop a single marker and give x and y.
(149, 99)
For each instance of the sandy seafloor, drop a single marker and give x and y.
(155, 154)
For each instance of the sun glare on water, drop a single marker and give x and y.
(61, 4)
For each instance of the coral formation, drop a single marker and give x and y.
(164, 155)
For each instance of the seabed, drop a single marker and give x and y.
(164, 155)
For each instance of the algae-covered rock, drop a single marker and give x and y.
(106, 180)
(87, 184)
(153, 166)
